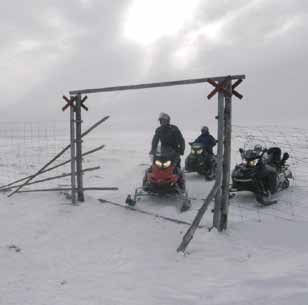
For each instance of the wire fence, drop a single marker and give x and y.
(26, 146)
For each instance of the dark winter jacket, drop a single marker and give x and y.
(170, 137)
(208, 141)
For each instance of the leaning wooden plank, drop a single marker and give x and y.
(6, 187)
(192, 229)
(69, 189)
(52, 178)
(68, 161)
(58, 155)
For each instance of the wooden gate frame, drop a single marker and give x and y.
(226, 89)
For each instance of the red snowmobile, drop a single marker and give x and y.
(163, 178)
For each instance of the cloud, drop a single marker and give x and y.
(51, 47)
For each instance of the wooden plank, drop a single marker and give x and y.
(54, 177)
(137, 209)
(69, 189)
(51, 168)
(192, 229)
(58, 155)
(154, 85)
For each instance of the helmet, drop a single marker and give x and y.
(164, 116)
(204, 129)
(258, 148)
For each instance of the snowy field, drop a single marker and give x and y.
(52, 252)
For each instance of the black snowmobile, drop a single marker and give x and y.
(163, 178)
(200, 161)
(249, 175)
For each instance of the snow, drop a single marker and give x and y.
(52, 252)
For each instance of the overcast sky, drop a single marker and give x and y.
(51, 47)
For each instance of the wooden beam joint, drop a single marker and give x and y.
(69, 102)
(222, 87)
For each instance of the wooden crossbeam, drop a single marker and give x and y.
(154, 85)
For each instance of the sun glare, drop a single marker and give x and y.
(147, 21)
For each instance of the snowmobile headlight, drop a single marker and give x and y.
(252, 163)
(193, 151)
(199, 151)
(158, 163)
(167, 164)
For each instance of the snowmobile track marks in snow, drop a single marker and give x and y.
(178, 221)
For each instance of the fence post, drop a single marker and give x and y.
(73, 152)
(220, 147)
(227, 158)
(79, 149)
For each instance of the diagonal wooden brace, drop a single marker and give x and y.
(238, 95)
(69, 101)
(219, 87)
(82, 105)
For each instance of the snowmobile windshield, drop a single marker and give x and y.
(197, 148)
(250, 155)
(165, 155)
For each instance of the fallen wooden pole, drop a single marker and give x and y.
(52, 178)
(69, 189)
(57, 156)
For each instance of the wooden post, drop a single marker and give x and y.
(73, 154)
(227, 159)
(79, 149)
(220, 148)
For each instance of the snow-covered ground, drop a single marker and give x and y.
(52, 252)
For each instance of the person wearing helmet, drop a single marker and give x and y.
(168, 135)
(206, 139)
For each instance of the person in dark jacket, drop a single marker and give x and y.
(206, 139)
(169, 136)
